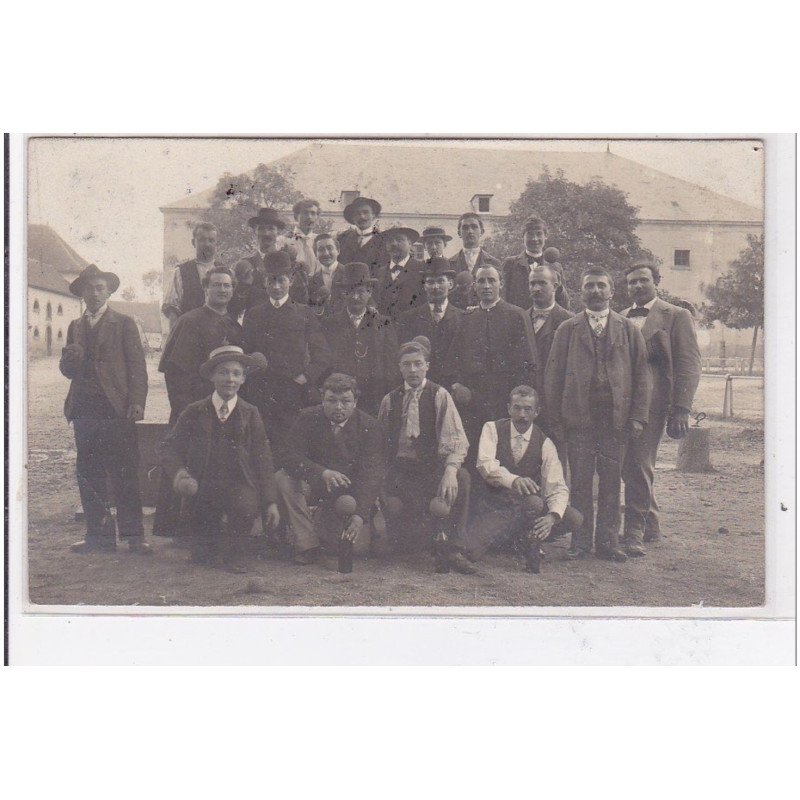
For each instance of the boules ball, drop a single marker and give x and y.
(439, 508)
(187, 486)
(551, 255)
(533, 504)
(345, 505)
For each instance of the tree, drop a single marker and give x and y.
(152, 283)
(736, 299)
(129, 294)
(590, 224)
(238, 197)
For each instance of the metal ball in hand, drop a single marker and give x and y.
(439, 508)
(345, 505)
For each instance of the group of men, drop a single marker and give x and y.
(342, 388)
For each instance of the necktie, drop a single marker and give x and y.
(395, 270)
(223, 411)
(518, 447)
(597, 324)
(638, 312)
(412, 414)
(539, 318)
(437, 312)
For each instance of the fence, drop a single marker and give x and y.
(732, 365)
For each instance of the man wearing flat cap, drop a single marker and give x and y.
(363, 343)
(289, 336)
(334, 450)
(220, 463)
(425, 447)
(399, 287)
(104, 359)
(185, 291)
(363, 242)
(435, 240)
(437, 319)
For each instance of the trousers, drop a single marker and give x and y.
(638, 472)
(238, 503)
(108, 453)
(600, 448)
(308, 530)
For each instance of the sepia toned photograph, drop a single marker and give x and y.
(380, 373)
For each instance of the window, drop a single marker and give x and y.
(60, 312)
(49, 311)
(35, 306)
(35, 333)
(681, 259)
(483, 204)
(60, 335)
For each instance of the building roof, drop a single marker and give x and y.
(43, 276)
(148, 314)
(432, 181)
(47, 247)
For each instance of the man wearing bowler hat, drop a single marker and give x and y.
(435, 240)
(104, 359)
(437, 319)
(289, 336)
(334, 450)
(363, 343)
(399, 287)
(219, 461)
(363, 243)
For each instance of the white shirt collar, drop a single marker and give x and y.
(217, 402)
(419, 388)
(486, 308)
(401, 264)
(97, 314)
(472, 250)
(279, 303)
(598, 314)
(526, 435)
(532, 255)
(300, 235)
(367, 233)
(535, 310)
(357, 317)
(329, 270)
(648, 306)
(444, 305)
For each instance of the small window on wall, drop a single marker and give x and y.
(60, 310)
(35, 333)
(36, 306)
(483, 205)
(60, 335)
(682, 259)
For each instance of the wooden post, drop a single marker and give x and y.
(694, 451)
(753, 349)
(727, 401)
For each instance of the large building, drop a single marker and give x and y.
(52, 266)
(695, 232)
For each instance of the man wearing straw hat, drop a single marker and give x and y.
(220, 462)
(435, 240)
(105, 361)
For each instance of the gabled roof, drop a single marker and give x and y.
(43, 276)
(430, 180)
(46, 246)
(148, 314)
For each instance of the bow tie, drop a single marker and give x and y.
(395, 269)
(541, 314)
(533, 259)
(638, 312)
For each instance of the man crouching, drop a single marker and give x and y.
(524, 496)
(334, 461)
(426, 489)
(220, 462)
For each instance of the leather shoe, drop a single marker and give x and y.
(574, 553)
(140, 546)
(460, 563)
(635, 549)
(652, 536)
(306, 557)
(611, 553)
(91, 546)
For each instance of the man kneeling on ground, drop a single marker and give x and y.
(524, 495)
(334, 451)
(426, 489)
(220, 462)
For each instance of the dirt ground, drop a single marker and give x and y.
(712, 553)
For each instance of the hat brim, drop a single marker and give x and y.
(367, 282)
(76, 287)
(360, 201)
(413, 236)
(442, 236)
(209, 366)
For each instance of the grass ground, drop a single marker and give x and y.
(713, 551)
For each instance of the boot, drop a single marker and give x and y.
(611, 550)
(633, 542)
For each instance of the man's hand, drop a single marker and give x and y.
(334, 480)
(543, 526)
(354, 526)
(301, 380)
(636, 428)
(135, 412)
(524, 486)
(678, 423)
(272, 515)
(448, 486)
(461, 394)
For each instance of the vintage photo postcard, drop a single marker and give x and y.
(464, 376)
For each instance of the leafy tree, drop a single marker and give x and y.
(129, 294)
(152, 283)
(736, 299)
(237, 198)
(590, 224)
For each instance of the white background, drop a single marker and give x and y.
(502, 68)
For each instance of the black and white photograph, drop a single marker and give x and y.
(420, 373)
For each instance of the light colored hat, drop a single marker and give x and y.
(227, 352)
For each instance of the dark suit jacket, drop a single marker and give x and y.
(515, 273)
(459, 261)
(419, 322)
(569, 373)
(120, 364)
(373, 253)
(544, 340)
(189, 443)
(335, 300)
(673, 356)
(357, 453)
(395, 298)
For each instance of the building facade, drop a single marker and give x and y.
(51, 308)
